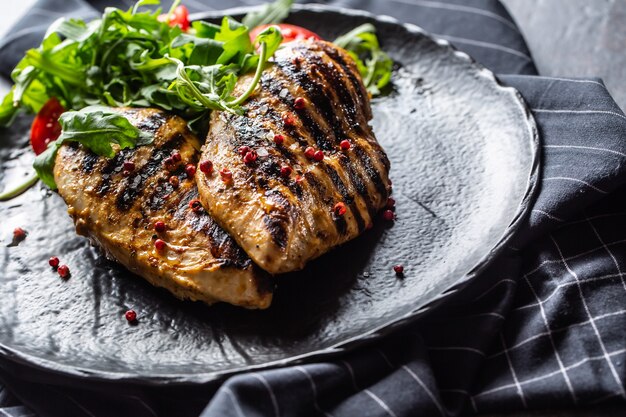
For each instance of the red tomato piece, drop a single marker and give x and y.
(180, 17)
(46, 127)
(290, 32)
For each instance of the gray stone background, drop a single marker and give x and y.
(576, 38)
(570, 38)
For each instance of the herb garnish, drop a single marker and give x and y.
(130, 58)
(97, 128)
(373, 63)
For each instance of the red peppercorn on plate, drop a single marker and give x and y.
(463, 154)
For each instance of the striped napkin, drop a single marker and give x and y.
(543, 327)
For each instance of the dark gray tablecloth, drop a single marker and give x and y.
(545, 326)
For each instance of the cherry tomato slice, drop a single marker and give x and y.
(46, 127)
(290, 32)
(180, 17)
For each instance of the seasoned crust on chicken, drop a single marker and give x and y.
(118, 211)
(312, 96)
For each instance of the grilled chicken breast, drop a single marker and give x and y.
(117, 205)
(295, 191)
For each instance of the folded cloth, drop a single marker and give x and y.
(544, 326)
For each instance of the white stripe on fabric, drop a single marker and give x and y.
(467, 394)
(554, 348)
(460, 8)
(560, 329)
(314, 389)
(482, 44)
(593, 324)
(352, 377)
(599, 216)
(462, 348)
(590, 148)
(569, 258)
(566, 284)
(619, 270)
(551, 374)
(233, 398)
(548, 215)
(555, 79)
(385, 357)
(380, 402)
(580, 112)
(79, 405)
(494, 286)
(425, 388)
(576, 180)
(269, 390)
(146, 406)
(513, 374)
(5, 413)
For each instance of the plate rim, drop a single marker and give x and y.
(72, 372)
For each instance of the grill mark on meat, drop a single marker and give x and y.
(357, 85)
(136, 182)
(152, 122)
(274, 86)
(346, 101)
(324, 196)
(373, 174)
(222, 245)
(316, 95)
(358, 183)
(321, 101)
(89, 162)
(276, 221)
(347, 197)
(111, 167)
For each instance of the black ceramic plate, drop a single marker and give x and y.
(464, 156)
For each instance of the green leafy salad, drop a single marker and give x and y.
(143, 58)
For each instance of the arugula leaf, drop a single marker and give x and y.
(373, 63)
(132, 58)
(274, 12)
(211, 86)
(7, 110)
(97, 128)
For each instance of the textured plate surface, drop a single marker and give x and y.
(464, 155)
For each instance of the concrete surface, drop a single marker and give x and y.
(576, 38)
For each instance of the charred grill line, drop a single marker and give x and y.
(222, 246)
(315, 94)
(321, 101)
(153, 122)
(276, 220)
(381, 188)
(357, 85)
(360, 187)
(111, 167)
(89, 162)
(323, 195)
(274, 87)
(346, 102)
(347, 197)
(136, 182)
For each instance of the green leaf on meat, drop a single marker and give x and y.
(98, 129)
(373, 63)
